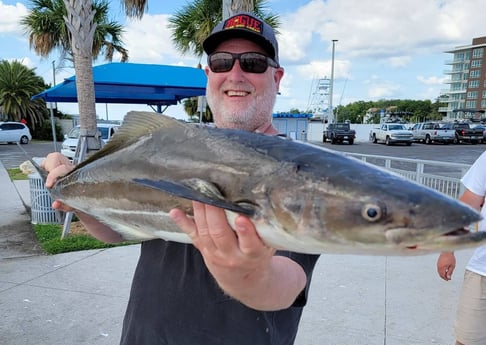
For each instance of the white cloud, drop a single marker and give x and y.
(323, 69)
(149, 41)
(393, 29)
(433, 80)
(380, 89)
(399, 61)
(10, 16)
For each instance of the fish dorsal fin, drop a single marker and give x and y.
(136, 125)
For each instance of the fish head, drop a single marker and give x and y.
(365, 210)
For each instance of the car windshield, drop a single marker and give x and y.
(74, 133)
(396, 127)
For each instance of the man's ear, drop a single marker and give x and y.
(277, 76)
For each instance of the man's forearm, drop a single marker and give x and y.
(98, 230)
(275, 289)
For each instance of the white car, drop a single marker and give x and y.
(71, 139)
(14, 132)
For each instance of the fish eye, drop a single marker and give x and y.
(371, 212)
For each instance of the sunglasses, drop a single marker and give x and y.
(251, 62)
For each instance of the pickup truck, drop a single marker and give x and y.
(464, 133)
(339, 132)
(391, 133)
(432, 132)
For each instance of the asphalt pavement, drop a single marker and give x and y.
(79, 298)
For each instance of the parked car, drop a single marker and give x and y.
(339, 132)
(464, 132)
(14, 132)
(391, 133)
(71, 139)
(483, 127)
(431, 132)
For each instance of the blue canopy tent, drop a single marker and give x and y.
(132, 83)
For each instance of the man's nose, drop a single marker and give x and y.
(236, 71)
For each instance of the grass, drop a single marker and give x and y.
(49, 236)
(17, 174)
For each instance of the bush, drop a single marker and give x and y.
(44, 131)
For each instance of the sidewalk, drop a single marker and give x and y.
(79, 298)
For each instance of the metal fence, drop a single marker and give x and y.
(442, 176)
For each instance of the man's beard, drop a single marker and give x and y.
(248, 117)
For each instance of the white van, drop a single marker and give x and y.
(71, 139)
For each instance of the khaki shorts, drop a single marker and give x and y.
(471, 312)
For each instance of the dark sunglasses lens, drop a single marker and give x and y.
(221, 62)
(253, 63)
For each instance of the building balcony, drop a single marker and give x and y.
(458, 61)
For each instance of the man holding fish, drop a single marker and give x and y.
(234, 265)
(229, 287)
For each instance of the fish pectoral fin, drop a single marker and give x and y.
(197, 190)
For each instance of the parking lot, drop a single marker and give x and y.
(462, 153)
(12, 156)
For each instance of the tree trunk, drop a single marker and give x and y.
(231, 7)
(80, 23)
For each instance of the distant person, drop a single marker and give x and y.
(470, 324)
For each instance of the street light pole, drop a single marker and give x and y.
(51, 106)
(331, 110)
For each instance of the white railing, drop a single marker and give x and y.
(442, 176)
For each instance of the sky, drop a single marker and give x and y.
(390, 49)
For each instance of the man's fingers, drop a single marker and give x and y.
(214, 229)
(250, 242)
(57, 205)
(185, 223)
(56, 173)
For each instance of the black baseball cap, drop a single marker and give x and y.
(243, 25)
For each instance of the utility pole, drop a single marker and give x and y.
(331, 110)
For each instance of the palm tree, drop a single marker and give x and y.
(195, 21)
(18, 84)
(136, 8)
(79, 28)
(48, 31)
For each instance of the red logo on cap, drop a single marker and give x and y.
(245, 22)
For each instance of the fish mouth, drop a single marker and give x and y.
(454, 239)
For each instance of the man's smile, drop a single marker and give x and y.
(233, 93)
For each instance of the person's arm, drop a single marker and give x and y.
(58, 165)
(446, 263)
(243, 266)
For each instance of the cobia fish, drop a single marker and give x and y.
(301, 197)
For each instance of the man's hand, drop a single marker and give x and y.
(242, 264)
(446, 263)
(57, 165)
